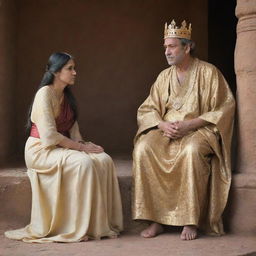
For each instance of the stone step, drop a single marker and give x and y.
(15, 194)
(15, 198)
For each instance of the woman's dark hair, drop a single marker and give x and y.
(55, 63)
(191, 43)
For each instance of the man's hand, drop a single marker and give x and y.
(183, 128)
(169, 129)
(179, 129)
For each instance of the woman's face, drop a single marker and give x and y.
(67, 74)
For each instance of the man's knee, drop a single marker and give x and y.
(198, 147)
(142, 147)
(193, 148)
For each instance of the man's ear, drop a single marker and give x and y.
(187, 48)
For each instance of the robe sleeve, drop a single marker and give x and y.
(75, 132)
(219, 103)
(151, 111)
(221, 107)
(43, 116)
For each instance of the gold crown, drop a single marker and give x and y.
(173, 31)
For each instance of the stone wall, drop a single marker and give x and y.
(118, 51)
(7, 79)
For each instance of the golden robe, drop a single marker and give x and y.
(74, 195)
(184, 181)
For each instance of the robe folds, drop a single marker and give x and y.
(184, 181)
(75, 196)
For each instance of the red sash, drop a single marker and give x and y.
(64, 121)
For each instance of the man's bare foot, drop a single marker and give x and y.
(189, 233)
(152, 231)
(114, 236)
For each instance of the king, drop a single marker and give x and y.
(181, 158)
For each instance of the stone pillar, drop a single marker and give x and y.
(245, 67)
(242, 208)
(7, 79)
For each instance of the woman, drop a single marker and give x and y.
(75, 193)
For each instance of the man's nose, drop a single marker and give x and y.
(167, 51)
(74, 72)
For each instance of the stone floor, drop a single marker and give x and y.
(131, 244)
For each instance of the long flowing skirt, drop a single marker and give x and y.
(75, 196)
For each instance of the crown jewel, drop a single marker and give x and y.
(173, 31)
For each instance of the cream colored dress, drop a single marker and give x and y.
(74, 195)
(184, 181)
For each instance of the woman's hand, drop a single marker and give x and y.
(89, 147)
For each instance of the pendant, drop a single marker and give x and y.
(176, 105)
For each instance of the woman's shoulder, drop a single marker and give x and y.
(44, 93)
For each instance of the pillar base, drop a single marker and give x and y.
(240, 214)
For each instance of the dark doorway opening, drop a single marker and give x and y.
(222, 37)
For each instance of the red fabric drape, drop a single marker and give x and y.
(64, 121)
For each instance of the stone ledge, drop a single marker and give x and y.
(244, 180)
(124, 169)
(240, 212)
(15, 197)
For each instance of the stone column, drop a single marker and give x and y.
(242, 209)
(7, 79)
(245, 67)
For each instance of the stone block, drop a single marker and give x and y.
(240, 213)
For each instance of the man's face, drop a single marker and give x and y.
(175, 52)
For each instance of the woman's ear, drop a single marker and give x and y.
(55, 73)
